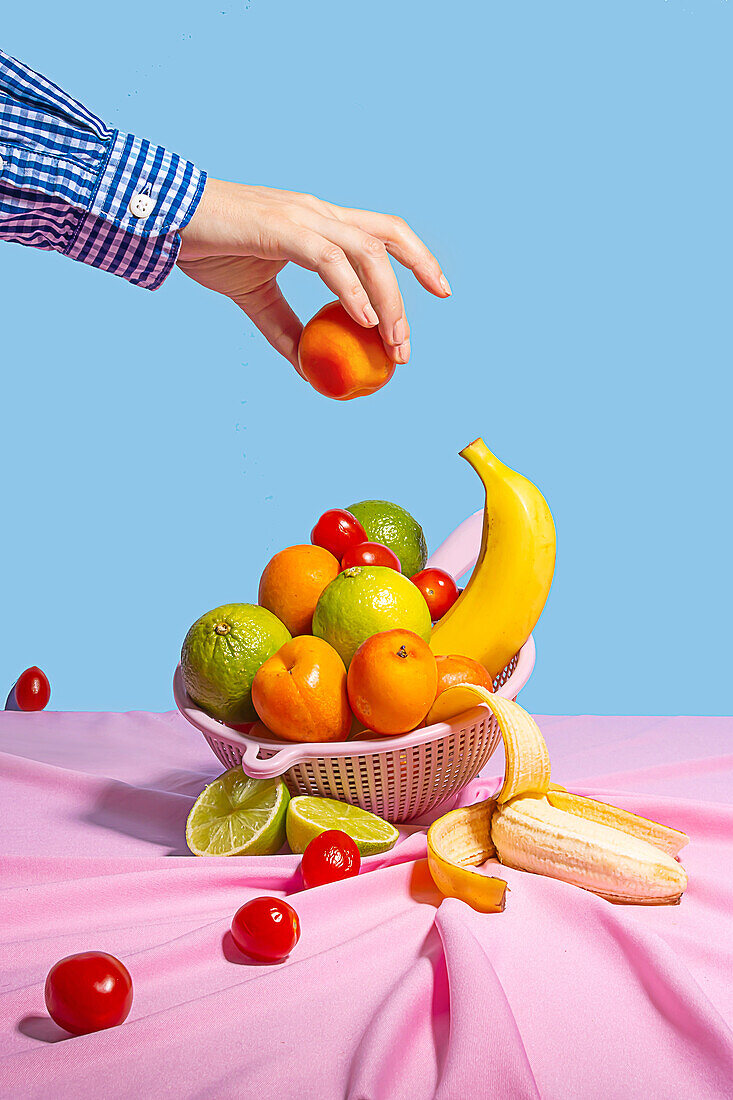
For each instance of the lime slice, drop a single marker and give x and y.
(238, 816)
(307, 817)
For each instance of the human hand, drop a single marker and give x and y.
(241, 237)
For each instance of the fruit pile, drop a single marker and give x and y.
(377, 648)
(353, 635)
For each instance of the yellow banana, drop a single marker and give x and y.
(536, 825)
(498, 609)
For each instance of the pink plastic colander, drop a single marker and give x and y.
(398, 778)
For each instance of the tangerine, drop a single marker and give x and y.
(292, 582)
(456, 669)
(391, 681)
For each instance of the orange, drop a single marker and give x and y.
(455, 669)
(391, 681)
(292, 582)
(300, 692)
(340, 358)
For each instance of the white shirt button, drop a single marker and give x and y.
(141, 205)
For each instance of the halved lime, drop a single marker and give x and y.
(238, 816)
(308, 817)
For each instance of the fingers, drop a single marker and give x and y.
(312, 250)
(272, 315)
(349, 249)
(355, 266)
(368, 257)
(402, 243)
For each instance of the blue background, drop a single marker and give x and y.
(570, 165)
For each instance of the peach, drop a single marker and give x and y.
(300, 692)
(341, 359)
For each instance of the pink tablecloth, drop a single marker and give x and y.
(392, 992)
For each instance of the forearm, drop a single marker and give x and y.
(70, 184)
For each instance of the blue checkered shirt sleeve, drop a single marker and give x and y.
(70, 184)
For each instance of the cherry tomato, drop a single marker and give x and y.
(336, 531)
(438, 588)
(370, 553)
(266, 929)
(330, 857)
(240, 727)
(32, 690)
(88, 992)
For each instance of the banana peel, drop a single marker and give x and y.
(538, 826)
(671, 841)
(462, 839)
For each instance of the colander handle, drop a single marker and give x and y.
(273, 766)
(459, 552)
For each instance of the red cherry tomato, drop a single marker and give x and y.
(330, 857)
(370, 553)
(266, 929)
(438, 588)
(336, 531)
(240, 727)
(88, 992)
(32, 690)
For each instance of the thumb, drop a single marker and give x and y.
(272, 315)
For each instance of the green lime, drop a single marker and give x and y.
(308, 817)
(366, 600)
(394, 527)
(238, 816)
(221, 654)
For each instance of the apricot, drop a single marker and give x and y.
(300, 692)
(340, 358)
(454, 669)
(391, 682)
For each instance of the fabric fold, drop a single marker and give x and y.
(392, 991)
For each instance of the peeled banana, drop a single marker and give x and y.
(535, 825)
(532, 835)
(497, 611)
